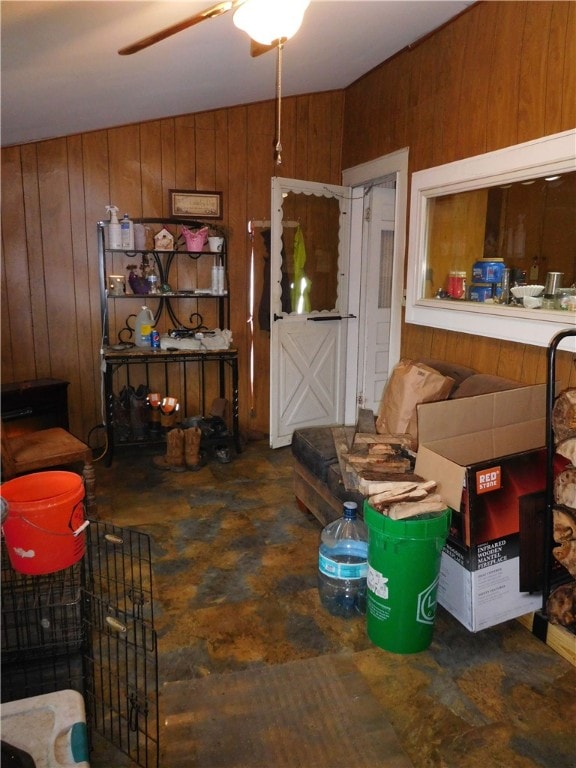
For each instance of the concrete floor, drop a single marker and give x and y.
(235, 561)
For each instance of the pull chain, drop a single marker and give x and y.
(278, 147)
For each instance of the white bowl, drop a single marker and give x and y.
(532, 302)
(519, 291)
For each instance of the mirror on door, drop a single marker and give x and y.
(310, 252)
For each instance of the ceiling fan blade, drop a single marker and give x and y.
(209, 13)
(257, 49)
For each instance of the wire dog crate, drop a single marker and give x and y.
(89, 628)
(42, 634)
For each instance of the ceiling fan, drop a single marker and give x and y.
(269, 23)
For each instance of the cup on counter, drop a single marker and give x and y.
(116, 285)
(216, 244)
(565, 297)
(553, 284)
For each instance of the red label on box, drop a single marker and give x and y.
(488, 480)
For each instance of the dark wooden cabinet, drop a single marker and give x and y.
(35, 404)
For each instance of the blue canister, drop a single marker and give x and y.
(155, 339)
(480, 292)
(486, 271)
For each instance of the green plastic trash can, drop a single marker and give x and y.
(403, 572)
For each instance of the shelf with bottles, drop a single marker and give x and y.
(176, 271)
(155, 266)
(176, 266)
(161, 235)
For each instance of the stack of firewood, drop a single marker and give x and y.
(399, 499)
(561, 604)
(380, 454)
(381, 467)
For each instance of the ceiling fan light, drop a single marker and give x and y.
(268, 20)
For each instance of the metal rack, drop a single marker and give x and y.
(554, 575)
(89, 628)
(192, 365)
(195, 378)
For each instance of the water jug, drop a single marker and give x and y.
(343, 564)
(144, 324)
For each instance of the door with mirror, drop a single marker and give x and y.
(309, 305)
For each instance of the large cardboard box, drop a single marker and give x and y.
(487, 455)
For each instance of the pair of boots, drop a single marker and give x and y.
(182, 450)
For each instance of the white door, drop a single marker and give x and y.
(376, 301)
(309, 300)
(378, 232)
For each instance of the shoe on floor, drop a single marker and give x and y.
(222, 454)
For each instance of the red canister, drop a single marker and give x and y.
(457, 285)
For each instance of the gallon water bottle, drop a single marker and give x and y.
(343, 564)
(144, 324)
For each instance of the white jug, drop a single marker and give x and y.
(144, 325)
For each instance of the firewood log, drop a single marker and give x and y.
(405, 509)
(378, 449)
(564, 415)
(418, 491)
(561, 605)
(371, 487)
(358, 463)
(381, 500)
(564, 525)
(368, 438)
(565, 488)
(566, 556)
(567, 448)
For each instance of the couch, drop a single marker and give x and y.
(318, 484)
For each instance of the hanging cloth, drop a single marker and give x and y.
(301, 286)
(286, 300)
(250, 321)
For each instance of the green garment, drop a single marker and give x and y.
(301, 285)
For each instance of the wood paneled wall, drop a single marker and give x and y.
(54, 193)
(502, 73)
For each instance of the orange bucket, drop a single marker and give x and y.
(44, 527)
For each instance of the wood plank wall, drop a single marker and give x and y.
(502, 73)
(54, 192)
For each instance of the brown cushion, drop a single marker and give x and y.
(483, 384)
(314, 447)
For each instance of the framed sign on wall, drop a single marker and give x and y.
(195, 204)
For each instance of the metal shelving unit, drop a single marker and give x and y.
(195, 376)
(554, 574)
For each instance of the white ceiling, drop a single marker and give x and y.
(61, 73)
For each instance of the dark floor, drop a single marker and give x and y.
(234, 562)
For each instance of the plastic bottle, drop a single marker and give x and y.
(144, 325)
(343, 564)
(221, 288)
(218, 279)
(127, 233)
(153, 279)
(114, 231)
(215, 281)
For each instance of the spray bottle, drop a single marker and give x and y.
(114, 231)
